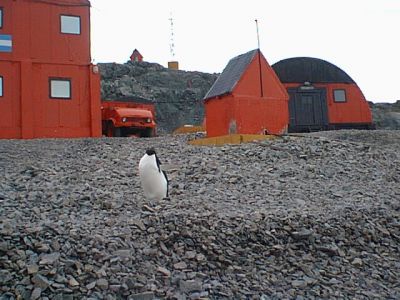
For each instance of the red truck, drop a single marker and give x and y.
(128, 117)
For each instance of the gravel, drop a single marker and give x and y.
(308, 216)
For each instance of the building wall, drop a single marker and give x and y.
(261, 116)
(39, 52)
(219, 115)
(250, 109)
(35, 29)
(354, 110)
(245, 115)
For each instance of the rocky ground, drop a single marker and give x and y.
(315, 216)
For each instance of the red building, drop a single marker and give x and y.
(136, 56)
(247, 98)
(48, 86)
(322, 96)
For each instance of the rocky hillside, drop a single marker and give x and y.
(386, 115)
(178, 94)
(312, 217)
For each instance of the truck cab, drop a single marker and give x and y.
(122, 118)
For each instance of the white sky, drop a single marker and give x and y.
(362, 37)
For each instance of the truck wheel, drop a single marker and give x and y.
(113, 131)
(109, 129)
(148, 132)
(117, 132)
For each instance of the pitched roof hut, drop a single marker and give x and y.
(247, 98)
(136, 56)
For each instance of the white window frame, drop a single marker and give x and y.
(339, 98)
(67, 27)
(1, 86)
(60, 88)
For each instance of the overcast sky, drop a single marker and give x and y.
(359, 36)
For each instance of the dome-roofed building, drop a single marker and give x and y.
(322, 96)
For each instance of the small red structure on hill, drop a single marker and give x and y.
(48, 86)
(247, 98)
(136, 56)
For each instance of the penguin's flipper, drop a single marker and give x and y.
(166, 178)
(158, 162)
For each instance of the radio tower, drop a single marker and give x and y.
(171, 41)
(173, 64)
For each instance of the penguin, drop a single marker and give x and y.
(154, 181)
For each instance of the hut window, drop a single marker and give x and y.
(339, 95)
(1, 17)
(71, 24)
(60, 88)
(1, 86)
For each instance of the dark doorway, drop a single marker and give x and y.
(308, 110)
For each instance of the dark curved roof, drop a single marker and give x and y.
(302, 69)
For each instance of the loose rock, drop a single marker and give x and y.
(313, 217)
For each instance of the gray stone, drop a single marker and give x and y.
(40, 281)
(302, 234)
(180, 265)
(189, 286)
(32, 269)
(164, 271)
(102, 283)
(49, 259)
(5, 276)
(36, 293)
(143, 296)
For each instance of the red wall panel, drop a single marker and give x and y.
(219, 114)
(36, 33)
(250, 83)
(354, 110)
(10, 102)
(53, 116)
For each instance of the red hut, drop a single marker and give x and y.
(136, 56)
(49, 88)
(322, 96)
(247, 98)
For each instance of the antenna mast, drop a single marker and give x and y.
(258, 36)
(259, 61)
(172, 38)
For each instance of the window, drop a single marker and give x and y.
(1, 86)
(60, 88)
(70, 24)
(1, 17)
(339, 95)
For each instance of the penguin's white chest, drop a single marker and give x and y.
(153, 181)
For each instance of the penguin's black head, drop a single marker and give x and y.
(150, 151)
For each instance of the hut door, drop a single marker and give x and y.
(307, 110)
